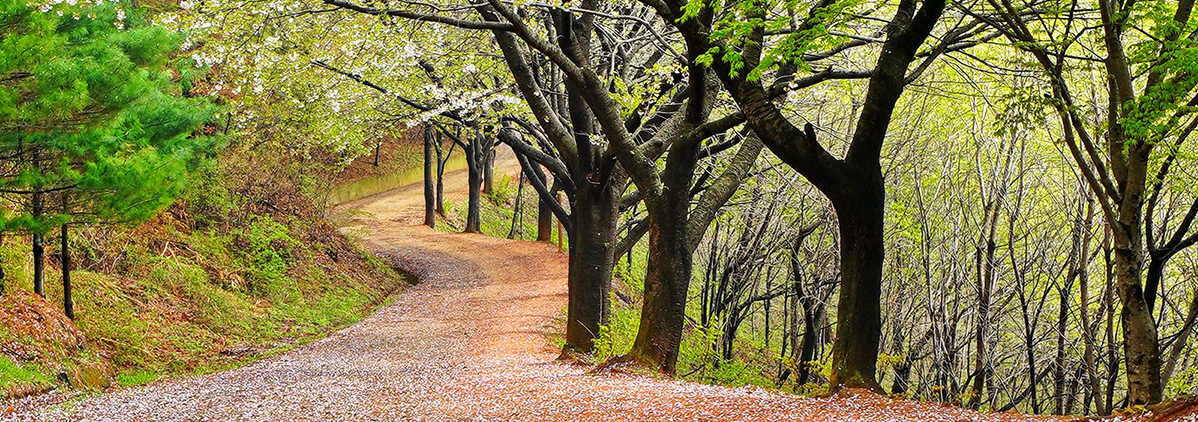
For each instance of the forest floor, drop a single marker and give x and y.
(470, 342)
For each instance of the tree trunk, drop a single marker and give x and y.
(666, 282)
(377, 148)
(544, 221)
(859, 315)
(3, 287)
(489, 171)
(1141, 349)
(594, 216)
(668, 273)
(440, 175)
(474, 169)
(812, 309)
(39, 250)
(985, 273)
(812, 313)
(430, 216)
(39, 253)
(1058, 361)
(68, 305)
(1111, 344)
(544, 209)
(1087, 326)
(517, 210)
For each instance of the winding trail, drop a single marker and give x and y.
(468, 343)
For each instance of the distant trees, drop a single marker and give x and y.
(95, 126)
(999, 180)
(1147, 74)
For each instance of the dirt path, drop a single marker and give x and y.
(468, 343)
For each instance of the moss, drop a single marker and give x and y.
(135, 377)
(17, 379)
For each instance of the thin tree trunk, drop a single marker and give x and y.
(489, 171)
(544, 209)
(1088, 336)
(1180, 342)
(1059, 372)
(517, 211)
(430, 215)
(68, 305)
(440, 174)
(39, 250)
(474, 162)
(3, 287)
(1109, 304)
(985, 272)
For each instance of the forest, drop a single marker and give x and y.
(982, 204)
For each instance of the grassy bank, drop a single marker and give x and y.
(236, 270)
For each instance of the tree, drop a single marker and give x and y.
(94, 120)
(1147, 75)
(854, 184)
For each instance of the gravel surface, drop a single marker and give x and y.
(468, 343)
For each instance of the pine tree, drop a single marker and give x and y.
(94, 126)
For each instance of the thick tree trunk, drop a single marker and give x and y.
(666, 283)
(668, 274)
(1141, 349)
(859, 314)
(430, 216)
(594, 215)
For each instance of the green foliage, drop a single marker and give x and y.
(13, 257)
(736, 31)
(136, 377)
(503, 190)
(1184, 381)
(17, 376)
(269, 256)
(91, 109)
(617, 336)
